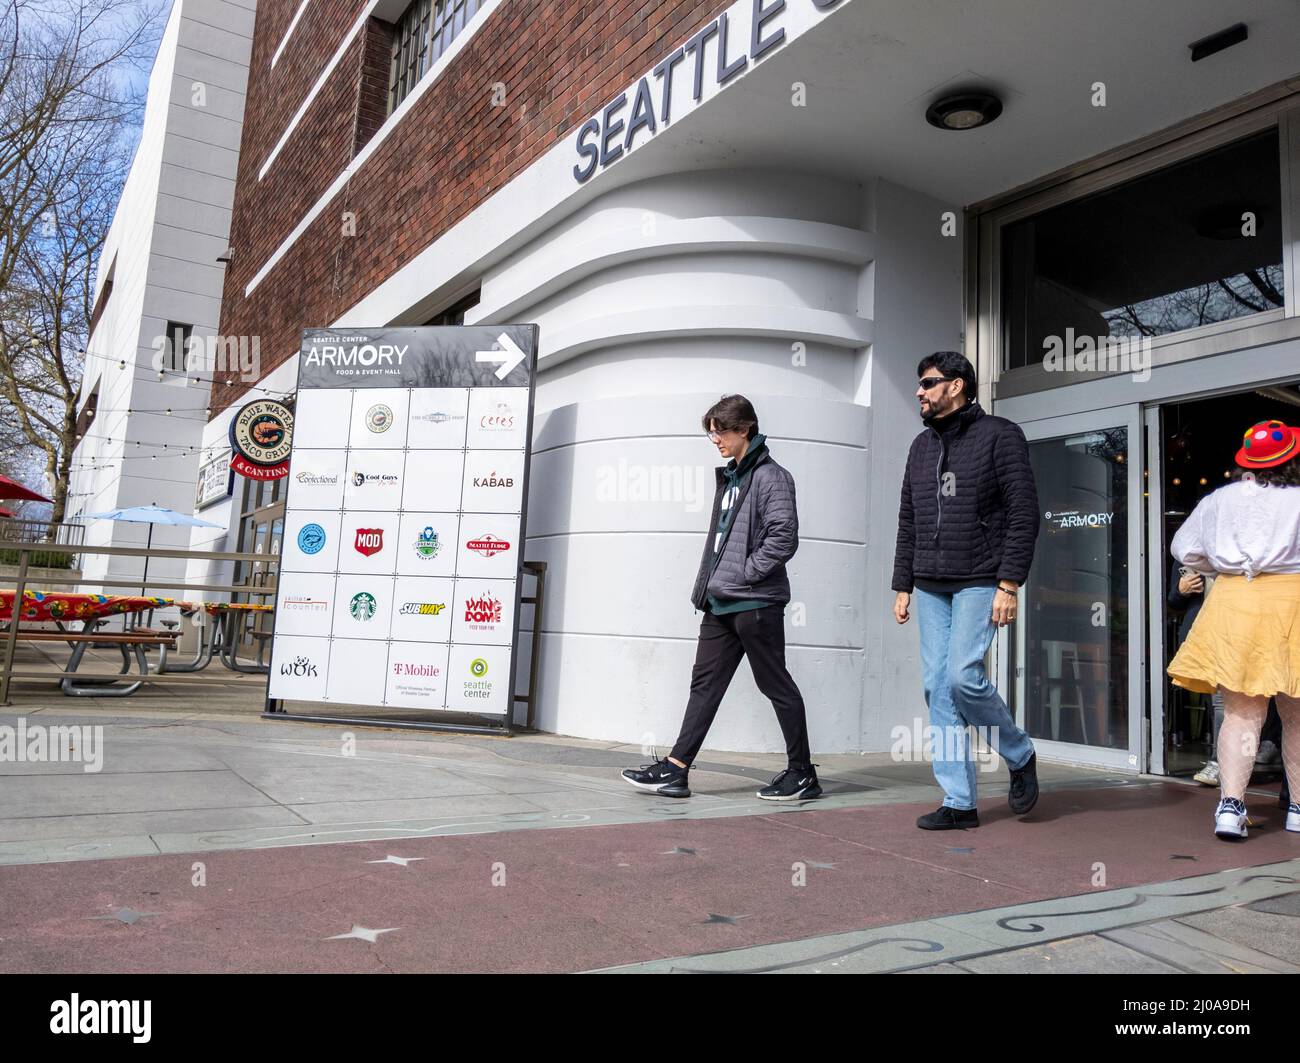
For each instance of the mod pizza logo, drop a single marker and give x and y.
(488, 545)
(483, 610)
(369, 541)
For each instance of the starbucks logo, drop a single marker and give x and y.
(478, 667)
(362, 606)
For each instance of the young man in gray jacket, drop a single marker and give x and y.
(743, 588)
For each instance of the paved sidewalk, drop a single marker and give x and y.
(222, 843)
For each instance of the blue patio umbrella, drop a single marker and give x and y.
(151, 514)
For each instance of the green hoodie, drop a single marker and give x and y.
(735, 477)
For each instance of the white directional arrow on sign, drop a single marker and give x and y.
(509, 357)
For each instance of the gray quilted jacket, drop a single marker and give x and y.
(763, 536)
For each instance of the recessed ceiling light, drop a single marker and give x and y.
(967, 110)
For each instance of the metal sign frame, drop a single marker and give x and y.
(469, 357)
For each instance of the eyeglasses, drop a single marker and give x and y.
(714, 437)
(928, 382)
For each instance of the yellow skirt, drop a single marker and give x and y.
(1245, 638)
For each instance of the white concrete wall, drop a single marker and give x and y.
(171, 224)
(654, 300)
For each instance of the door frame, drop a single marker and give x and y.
(1135, 757)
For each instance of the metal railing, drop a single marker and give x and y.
(25, 550)
(22, 530)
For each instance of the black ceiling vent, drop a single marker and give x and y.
(1217, 42)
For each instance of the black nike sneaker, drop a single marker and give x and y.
(792, 785)
(663, 777)
(945, 818)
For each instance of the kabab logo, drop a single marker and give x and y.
(362, 606)
(488, 546)
(369, 541)
(311, 540)
(492, 480)
(422, 608)
(427, 545)
(379, 418)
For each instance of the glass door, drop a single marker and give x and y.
(1074, 658)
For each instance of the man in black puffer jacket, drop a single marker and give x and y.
(742, 587)
(967, 524)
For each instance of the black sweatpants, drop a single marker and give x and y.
(758, 634)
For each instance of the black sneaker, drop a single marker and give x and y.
(945, 818)
(1023, 794)
(792, 785)
(663, 777)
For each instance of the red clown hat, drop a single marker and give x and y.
(1267, 444)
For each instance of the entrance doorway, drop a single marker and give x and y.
(1196, 442)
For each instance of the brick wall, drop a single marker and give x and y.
(560, 60)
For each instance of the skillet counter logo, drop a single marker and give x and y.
(502, 419)
(488, 545)
(298, 603)
(493, 480)
(427, 544)
(379, 418)
(357, 359)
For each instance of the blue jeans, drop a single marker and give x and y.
(956, 632)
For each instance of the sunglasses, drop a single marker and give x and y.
(928, 382)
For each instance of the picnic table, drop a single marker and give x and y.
(59, 607)
(226, 620)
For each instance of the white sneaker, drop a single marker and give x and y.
(1293, 818)
(1209, 774)
(1230, 818)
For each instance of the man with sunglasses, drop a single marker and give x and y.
(967, 524)
(742, 588)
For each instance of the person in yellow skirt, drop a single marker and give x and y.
(1246, 640)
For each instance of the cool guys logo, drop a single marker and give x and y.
(605, 137)
(372, 479)
(369, 541)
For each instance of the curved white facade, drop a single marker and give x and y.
(654, 300)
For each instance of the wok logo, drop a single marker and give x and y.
(488, 546)
(299, 667)
(379, 418)
(362, 606)
(369, 541)
(311, 540)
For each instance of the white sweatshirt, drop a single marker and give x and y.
(1244, 529)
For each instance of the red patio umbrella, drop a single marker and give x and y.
(6, 512)
(10, 489)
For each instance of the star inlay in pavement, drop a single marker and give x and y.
(730, 920)
(400, 861)
(129, 916)
(363, 933)
(678, 850)
(1180, 856)
(821, 867)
